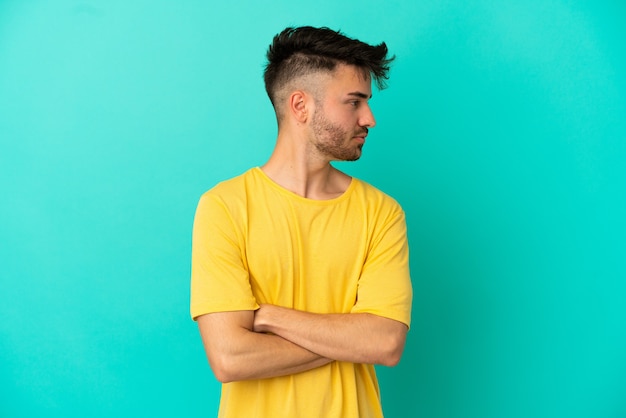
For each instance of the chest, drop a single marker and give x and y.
(306, 257)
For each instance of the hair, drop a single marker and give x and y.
(297, 52)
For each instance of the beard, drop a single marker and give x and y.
(332, 140)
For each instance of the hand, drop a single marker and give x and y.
(261, 318)
(343, 337)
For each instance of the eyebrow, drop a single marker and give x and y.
(360, 95)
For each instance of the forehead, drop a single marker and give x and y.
(349, 78)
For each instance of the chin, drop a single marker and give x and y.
(345, 156)
(354, 158)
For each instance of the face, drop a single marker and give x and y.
(342, 117)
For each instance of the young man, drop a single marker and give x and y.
(300, 273)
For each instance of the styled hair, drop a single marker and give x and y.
(297, 52)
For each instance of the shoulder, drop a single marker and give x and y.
(229, 195)
(374, 196)
(232, 188)
(233, 184)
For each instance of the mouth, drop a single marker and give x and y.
(360, 136)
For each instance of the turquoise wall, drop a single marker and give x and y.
(502, 133)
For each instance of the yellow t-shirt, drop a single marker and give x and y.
(256, 242)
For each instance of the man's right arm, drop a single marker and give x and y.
(235, 352)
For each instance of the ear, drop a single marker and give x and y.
(300, 105)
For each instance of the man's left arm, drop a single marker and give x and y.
(374, 332)
(351, 337)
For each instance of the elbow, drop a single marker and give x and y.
(392, 349)
(391, 358)
(223, 376)
(224, 369)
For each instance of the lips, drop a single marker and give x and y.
(361, 135)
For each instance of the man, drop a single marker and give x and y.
(300, 276)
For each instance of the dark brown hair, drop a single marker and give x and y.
(299, 51)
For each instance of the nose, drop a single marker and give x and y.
(367, 117)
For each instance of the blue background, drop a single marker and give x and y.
(502, 134)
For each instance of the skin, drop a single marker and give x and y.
(337, 139)
(317, 125)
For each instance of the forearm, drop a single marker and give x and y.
(261, 356)
(356, 338)
(242, 354)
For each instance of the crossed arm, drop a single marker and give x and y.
(276, 341)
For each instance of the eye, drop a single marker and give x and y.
(354, 103)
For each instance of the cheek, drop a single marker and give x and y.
(345, 119)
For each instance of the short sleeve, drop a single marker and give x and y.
(384, 286)
(219, 277)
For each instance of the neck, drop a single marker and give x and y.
(301, 170)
